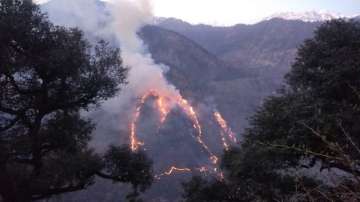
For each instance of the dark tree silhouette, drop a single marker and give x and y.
(48, 75)
(312, 126)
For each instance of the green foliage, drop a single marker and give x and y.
(311, 126)
(48, 74)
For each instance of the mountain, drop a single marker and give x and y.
(266, 45)
(308, 16)
(192, 69)
(187, 61)
(201, 67)
(265, 51)
(231, 69)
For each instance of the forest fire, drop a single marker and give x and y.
(174, 170)
(134, 143)
(164, 103)
(223, 139)
(227, 130)
(163, 107)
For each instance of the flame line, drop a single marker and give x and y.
(224, 126)
(164, 110)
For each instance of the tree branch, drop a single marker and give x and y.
(17, 87)
(11, 124)
(57, 191)
(9, 111)
(305, 151)
(348, 137)
(106, 176)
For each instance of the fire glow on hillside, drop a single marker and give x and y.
(164, 104)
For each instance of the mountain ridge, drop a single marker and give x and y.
(231, 69)
(307, 16)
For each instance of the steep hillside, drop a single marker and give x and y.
(266, 49)
(191, 67)
(201, 76)
(268, 45)
(230, 69)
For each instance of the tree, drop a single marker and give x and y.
(312, 126)
(48, 75)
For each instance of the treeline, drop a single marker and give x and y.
(304, 143)
(48, 75)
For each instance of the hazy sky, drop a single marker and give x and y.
(229, 12)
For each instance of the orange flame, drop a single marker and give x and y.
(203, 169)
(164, 103)
(164, 107)
(134, 143)
(173, 169)
(223, 139)
(189, 110)
(227, 130)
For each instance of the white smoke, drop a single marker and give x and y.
(118, 21)
(84, 14)
(128, 18)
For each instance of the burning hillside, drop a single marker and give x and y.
(182, 139)
(164, 103)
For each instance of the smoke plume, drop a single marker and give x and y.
(128, 17)
(119, 22)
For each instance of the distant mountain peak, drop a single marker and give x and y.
(308, 16)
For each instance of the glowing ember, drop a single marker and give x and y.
(173, 169)
(189, 110)
(164, 103)
(221, 121)
(164, 107)
(134, 143)
(203, 169)
(223, 139)
(221, 176)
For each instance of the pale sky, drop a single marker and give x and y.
(229, 12)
